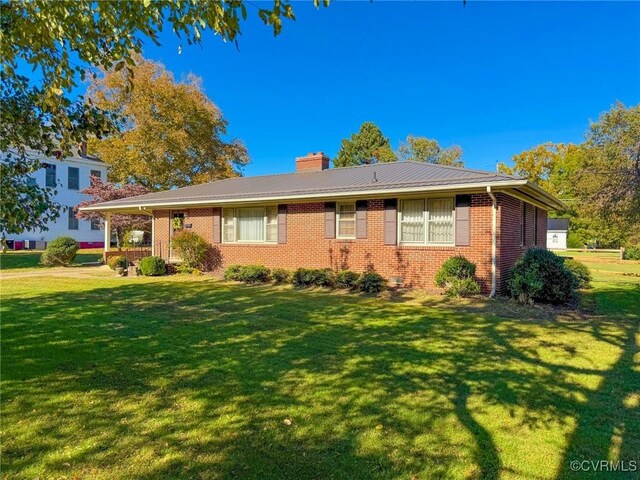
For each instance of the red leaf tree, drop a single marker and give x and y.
(104, 192)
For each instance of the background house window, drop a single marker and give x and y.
(554, 239)
(50, 178)
(228, 230)
(73, 182)
(96, 173)
(440, 220)
(73, 221)
(346, 220)
(412, 221)
(250, 224)
(31, 181)
(272, 224)
(95, 224)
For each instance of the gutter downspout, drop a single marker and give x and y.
(494, 234)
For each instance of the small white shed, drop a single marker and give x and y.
(557, 231)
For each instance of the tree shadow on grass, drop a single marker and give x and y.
(198, 377)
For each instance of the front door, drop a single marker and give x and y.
(177, 225)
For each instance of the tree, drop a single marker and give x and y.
(609, 177)
(423, 149)
(27, 134)
(119, 224)
(171, 132)
(367, 146)
(62, 42)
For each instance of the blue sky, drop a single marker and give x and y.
(495, 78)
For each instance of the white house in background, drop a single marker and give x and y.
(557, 231)
(70, 176)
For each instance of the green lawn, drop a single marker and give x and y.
(13, 260)
(182, 377)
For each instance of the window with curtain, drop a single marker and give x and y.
(440, 220)
(346, 220)
(228, 231)
(250, 224)
(272, 224)
(50, 177)
(412, 221)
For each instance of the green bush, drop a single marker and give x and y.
(233, 273)
(118, 261)
(580, 271)
(575, 241)
(318, 277)
(541, 276)
(371, 282)
(183, 270)
(632, 253)
(254, 274)
(280, 275)
(153, 266)
(456, 277)
(60, 251)
(346, 279)
(192, 248)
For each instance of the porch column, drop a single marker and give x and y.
(107, 231)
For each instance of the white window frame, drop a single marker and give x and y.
(425, 220)
(355, 225)
(235, 226)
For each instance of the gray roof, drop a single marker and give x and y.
(561, 224)
(382, 176)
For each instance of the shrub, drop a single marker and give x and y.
(117, 261)
(319, 277)
(60, 251)
(188, 270)
(346, 279)
(456, 277)
(580, 271)
(371, 282)
(192, 248)
(254, 274)
(153, 266)
(632, 253)
(454, 267)
(540, 276)
(233, 273)
(280, 275)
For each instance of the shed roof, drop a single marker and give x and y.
(558, 224)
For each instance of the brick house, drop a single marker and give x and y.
(401, 219)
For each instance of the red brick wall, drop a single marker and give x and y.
(307, 247)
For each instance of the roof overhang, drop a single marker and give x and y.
(521, 189)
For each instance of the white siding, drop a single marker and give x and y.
(556, 239)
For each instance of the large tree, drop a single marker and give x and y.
(367, 146)
(172, 134)
(423, 149)
(63, 42)
(100, 191)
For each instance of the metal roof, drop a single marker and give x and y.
(561, 224)
(371, 179)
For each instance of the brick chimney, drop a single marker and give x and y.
(312, 162)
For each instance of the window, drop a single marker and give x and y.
(346, 220)
(228, 231)
(50, 175)
(272, 224)
(250, 225)
(554, 239)
(95, 224)
(429, 222)
(73, 182)
(31, 181)
(535, 226)
(73, 221)
(96, 173)
(523, 223)
(412, 221)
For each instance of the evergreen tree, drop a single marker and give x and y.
(367, 146)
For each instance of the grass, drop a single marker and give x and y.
(182, 377)
(13, 260)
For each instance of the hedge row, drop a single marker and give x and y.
(368, 282)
